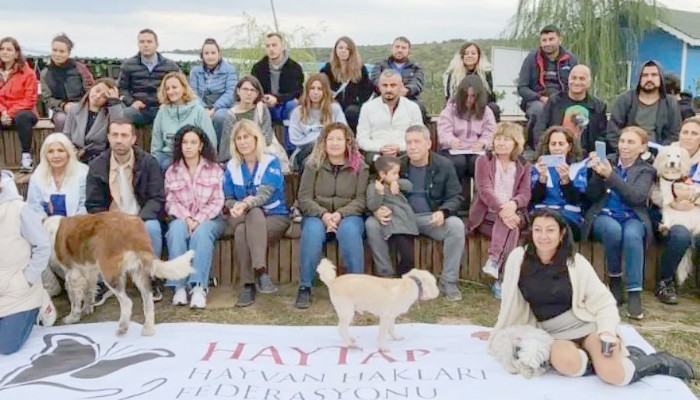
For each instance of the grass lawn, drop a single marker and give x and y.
(672, 328)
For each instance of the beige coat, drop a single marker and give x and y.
(16, 294)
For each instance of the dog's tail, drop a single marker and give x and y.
(326, 270)
(178, 268)
(685, 266)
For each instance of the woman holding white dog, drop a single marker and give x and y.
(574, 307)
(560, 185)
(678, 238)
(255, 207)
(332, 199)
(618, 217)
(194, 199)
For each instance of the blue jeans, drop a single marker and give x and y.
(281, 113)
(349, 237)
(622, 238)
(676, 244)
(164, 161)
(156, 234)
(218, 120)
(202, 242)
(15, 329)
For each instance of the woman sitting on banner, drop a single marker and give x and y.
(23, 300)
(678, 239)
(559, 183)
(502, 195)
(316, 109)
(618, 217)
(465, 127)
(574, 307)
(349, 79)
(193, 199)
(18, 94)
(179, 106)
(64, 81)
(214, 82)
(250, 105)
(255, 207)
(470, 62)
(87, 121)
(332, 198)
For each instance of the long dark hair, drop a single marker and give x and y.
(566, 250)
(256, 84)
(19, 64)
(480, 97)
(574, 145)
(207, 149)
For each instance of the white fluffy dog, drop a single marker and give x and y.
(521, 349)
(386, 298)
(678, 208)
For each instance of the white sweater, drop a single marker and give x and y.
(378, 127)
(40, 191)
(591, 299)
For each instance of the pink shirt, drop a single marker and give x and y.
(504, 182)
(201, 197)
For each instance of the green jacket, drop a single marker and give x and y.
(322, 191)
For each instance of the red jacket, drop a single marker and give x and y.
(19, 91)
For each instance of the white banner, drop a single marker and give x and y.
(211, 361)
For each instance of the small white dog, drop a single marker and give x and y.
(386, 298)
(678, 207)
(521, 349)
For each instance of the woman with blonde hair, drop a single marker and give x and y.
(348, 78)
(255, 207)
(316, 109)
(179, 106)
(332, 200)
(469, 61)
(87, 121)
(499, 207)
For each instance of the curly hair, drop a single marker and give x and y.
(575, 151)
(207, 151)
(566, 250)
(352, 151)
(187, 96)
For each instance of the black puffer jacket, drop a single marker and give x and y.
(137, 83)
(442, 185)
(65, 83)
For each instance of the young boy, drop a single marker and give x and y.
(387, 190)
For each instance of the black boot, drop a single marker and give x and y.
(634, 305)
(662, 363)
(635, 352)
(666, 292)
(615, 285)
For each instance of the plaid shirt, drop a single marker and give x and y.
(201, 198)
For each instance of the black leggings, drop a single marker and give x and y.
(23, 122)
(403, 244)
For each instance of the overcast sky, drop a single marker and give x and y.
(109, 28)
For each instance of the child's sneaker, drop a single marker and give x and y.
(26, 163)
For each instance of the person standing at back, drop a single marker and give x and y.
(282, 80)
(64, 81)
(140, 76)
(544, 73)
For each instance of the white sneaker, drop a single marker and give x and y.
(180, 296)
(47, 312)
(26, 164)
(490, 268)
(198, 297)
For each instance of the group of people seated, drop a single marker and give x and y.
(367, 166)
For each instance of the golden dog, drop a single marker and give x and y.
(387, 298)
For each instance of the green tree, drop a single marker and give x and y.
(602, 33)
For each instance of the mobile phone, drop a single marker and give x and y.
(553, 160)
(600, 149)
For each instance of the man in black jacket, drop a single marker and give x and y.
(282, 80)
(435, 199)
(127, 179)
(544, 73)
(576, 109)
(140, 76)
(647, 106)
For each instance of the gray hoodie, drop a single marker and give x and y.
(31, 229)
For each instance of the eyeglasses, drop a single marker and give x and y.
(249, 90)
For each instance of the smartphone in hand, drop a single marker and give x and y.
(600, 150)
(553, 160)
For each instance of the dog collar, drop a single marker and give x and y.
(420, 286)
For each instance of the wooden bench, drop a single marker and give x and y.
(11, 149)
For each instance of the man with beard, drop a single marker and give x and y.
(648, 107)
(127, 179)
(384, 120)
(544, 73)
(411, 73)
(577, 110)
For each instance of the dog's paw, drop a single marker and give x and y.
(397, 337)
(88, 310)
(71, 319)
(123, 328)
(148, 330)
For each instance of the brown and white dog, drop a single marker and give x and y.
(115, 245)
(386, 298)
